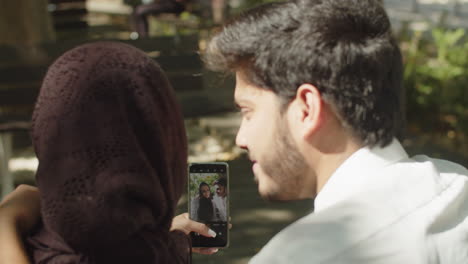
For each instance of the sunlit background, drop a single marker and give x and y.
(432, 35)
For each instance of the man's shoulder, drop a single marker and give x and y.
(335, 234)
(391, 218)
(314, 238)
(218, 198)
(442, 166)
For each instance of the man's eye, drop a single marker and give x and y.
(246, 112)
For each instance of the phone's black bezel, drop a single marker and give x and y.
(209, 167)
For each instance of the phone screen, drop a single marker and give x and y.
(209, 202)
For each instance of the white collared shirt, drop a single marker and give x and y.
(382, 207)
(219, 206)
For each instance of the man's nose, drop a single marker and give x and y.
(241, 141)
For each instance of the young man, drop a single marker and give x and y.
(319, 85)
(219, 200)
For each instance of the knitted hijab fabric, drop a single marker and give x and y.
(112, 150)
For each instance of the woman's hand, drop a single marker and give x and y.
(22, 207)
(19, 213)
(185, 224)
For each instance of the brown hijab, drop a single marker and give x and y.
(112, 150)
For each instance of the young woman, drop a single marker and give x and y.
(201, 207)
(112, 153)
(205, 209)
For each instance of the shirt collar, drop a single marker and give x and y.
(351, 175)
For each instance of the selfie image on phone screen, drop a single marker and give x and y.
(208, 201)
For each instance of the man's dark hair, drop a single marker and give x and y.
(343, 47)
(221, 181)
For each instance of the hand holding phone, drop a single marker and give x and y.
(186, 225)
(209, 202)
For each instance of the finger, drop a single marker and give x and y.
(205, 251)
(181, 223)
(230, 226)
(22, 193)
(185, 215)
(12, 195)
(22, 206)
(201, 229)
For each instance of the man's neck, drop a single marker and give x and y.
(327, 163)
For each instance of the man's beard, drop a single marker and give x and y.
(285, 165)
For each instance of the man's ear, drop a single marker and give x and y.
(309, 104)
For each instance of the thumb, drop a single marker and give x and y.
(202, 229)
(185, 224)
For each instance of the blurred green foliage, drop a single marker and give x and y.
(185, 24)
(435, 77)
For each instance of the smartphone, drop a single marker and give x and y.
(208, 192)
